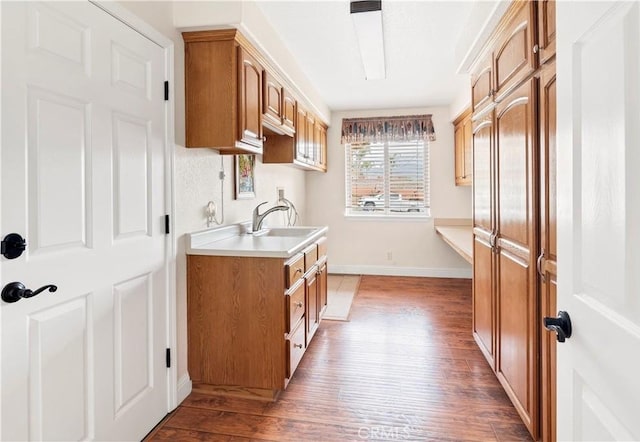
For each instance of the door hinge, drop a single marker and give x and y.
(166, 91)
(167, 223)
(168, 358)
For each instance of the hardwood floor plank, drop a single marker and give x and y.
(177, 434)
(404, 368)
(224, 403)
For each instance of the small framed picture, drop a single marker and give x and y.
(245, 178)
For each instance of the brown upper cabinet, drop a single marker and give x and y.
(301, 134)
(250, 105)
(237, 101)
(309, 157)
(515, 53)
(306, 150)
(223, 99)
(289, 111)
(482, 84)
(463, 151)
(274, 105)
(511, 55)
(321, 157)
(271, 100)
(546, 30)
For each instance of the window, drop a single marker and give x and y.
(387, 179)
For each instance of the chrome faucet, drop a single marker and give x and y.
(258, 218)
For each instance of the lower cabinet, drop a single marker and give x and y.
(251, 319)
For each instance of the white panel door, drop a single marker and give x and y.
(83, 180)
(598, 165)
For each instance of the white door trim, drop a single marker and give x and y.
(136, 23)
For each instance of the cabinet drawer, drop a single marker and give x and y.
(322, 247)
(296, 347)
(310, 256)
(293, 270)
(294, 305)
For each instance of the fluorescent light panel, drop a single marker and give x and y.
(367, 21)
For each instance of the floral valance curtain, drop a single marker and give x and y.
(381, 129)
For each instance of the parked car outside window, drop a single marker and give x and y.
(396, 203)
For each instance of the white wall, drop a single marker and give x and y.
(362, 246)
(196, 175)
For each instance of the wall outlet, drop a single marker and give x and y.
(389, 256)
(280, 191)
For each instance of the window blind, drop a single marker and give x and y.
(388, 178)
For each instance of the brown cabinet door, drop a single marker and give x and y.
(310, 152)
(515, 56)
(323, 149)
(468, 151)
(483, 197)
(483, 222)
(459, 153)
(249, 99)
(322, 289)
(312, 316)
(317, 135)
(271, 99)
(296, 347)
(301, 134)
(483, 296)
(462, 135)
(288, 110)
(517, 316)
(546, 30)
(482, 83)
(548, 262)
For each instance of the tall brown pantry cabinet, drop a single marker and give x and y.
(511, 95)
(548, 256)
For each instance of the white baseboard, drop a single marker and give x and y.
(401, 271)
(184, 387)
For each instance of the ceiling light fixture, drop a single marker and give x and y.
(367, 21)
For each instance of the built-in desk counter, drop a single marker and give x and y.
(458, 233)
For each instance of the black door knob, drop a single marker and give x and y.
(15, 291)
(13, 245)
(560, 325)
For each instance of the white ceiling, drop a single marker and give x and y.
(420, 39)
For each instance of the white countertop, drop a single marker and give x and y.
(458, 233)
(234, 241)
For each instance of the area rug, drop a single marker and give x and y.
(341, 290)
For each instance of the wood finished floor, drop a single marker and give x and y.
(404, 368)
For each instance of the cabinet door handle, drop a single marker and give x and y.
(297, 345)
(299, 304)
(539, 266)
(536, 48)
(492, 242)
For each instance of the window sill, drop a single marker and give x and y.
(383, 217)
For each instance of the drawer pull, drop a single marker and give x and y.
(297, 345)
(298, 271)
(299, 304)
